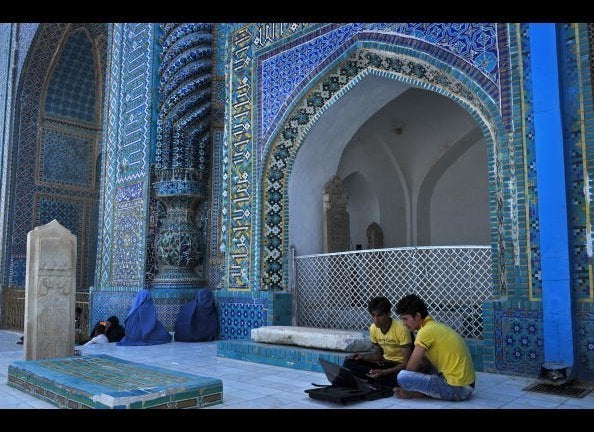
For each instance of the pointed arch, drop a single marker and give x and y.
(361, 62)
(38, 190)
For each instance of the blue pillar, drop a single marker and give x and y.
(552, 203)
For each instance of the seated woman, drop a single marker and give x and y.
(113, 329)
(98, 335)
(142, 325)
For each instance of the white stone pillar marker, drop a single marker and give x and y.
(50, 292)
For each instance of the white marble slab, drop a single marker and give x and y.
(310, 337)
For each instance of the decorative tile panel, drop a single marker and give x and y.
(71, 90)
(129, 122)
(44, 150)
(128, 240)
(238, 316)
(282, 72)
(8, 42)
(58, 149)
(518, 340)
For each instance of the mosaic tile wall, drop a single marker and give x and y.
(8, 40)
(105, 303)
(576, 78)
(239, 314)
(271, 82)
(269, 67)
(516, 325)
(265, 81)
(129, 214)
(517, 342)
(26, 33)
(56, 124)
(128, 126)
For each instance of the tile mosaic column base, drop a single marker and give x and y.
(105, 382)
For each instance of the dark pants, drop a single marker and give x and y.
(361, 369)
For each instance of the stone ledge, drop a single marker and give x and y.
(310, 337)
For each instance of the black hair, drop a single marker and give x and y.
(99, 329)
(113, 320)
(410, 305)
(379, 304)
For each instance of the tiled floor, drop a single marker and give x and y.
(254, 385)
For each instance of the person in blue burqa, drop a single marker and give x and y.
(142, 325)
(197, 320)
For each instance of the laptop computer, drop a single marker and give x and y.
(345, 386)
(337, 374)
(344, 377)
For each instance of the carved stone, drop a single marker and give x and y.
(50, 292)
(336, 223)
(375, 236)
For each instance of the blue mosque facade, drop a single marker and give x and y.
(167, 149)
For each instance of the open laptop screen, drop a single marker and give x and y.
(338, 375)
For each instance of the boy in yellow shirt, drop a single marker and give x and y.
(453, 378)
(392, 342)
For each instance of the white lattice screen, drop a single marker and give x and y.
(332, 290)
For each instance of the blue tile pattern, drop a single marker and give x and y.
(221, 36)
(238, 316)
(107, 303)
(129, 119)
(67, 212)
(282, 72)
(264, 74)
(27, 32)
(16, 273)
(215, 271)
(42, 176)
(576, 79)
(518, 340)
(8, 39)
(58, 150)
(128, 234)
(71, 90)
(585, 340)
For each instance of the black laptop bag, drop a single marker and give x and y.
(344, 395)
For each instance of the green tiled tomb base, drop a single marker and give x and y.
(102, 381)
(290, 356)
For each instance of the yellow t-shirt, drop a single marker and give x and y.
(447, 351)
(392, 342)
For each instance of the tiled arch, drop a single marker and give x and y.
(38, 192)
(283, 149)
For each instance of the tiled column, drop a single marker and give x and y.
(552, 203)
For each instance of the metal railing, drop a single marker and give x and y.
(13, 309)
(332, 290)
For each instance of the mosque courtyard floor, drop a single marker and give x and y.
(249, 385)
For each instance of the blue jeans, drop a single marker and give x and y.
(432, 385)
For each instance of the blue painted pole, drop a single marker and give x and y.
(552, 203)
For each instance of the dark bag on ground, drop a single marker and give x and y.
(346, 387)
(345, 395)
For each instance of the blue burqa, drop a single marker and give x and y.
(197, 320)
(142, 325)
